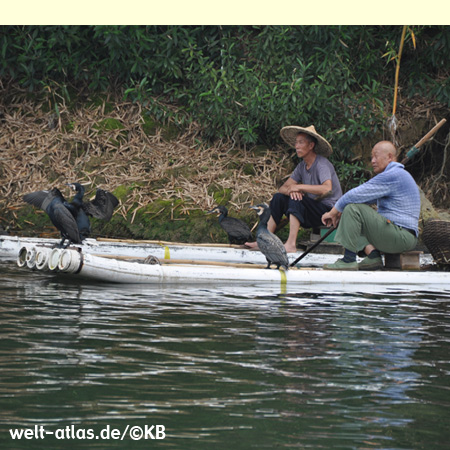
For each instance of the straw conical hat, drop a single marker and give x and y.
(289, 134)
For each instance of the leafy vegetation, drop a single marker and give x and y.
(244, 82)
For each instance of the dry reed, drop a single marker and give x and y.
(40, 150)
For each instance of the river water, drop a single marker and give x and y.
(220, 367)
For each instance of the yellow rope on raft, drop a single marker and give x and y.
(283, 278)
(166, 252)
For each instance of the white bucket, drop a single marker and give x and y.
(53, 259)
(69, 261)
(22, 257)
(42, 258)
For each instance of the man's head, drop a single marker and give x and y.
(291, 133)
(304, 144)
(383, 153)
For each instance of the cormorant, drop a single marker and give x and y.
(101, 207)
(238, 231)
(269, 244)
(75, 207)
(56, 207)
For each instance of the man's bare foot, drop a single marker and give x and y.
(290, 248)
(252, 245)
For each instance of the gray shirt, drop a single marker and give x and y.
(320, 171)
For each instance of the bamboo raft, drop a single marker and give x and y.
(89, 263)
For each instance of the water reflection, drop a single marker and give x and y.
(224, 366)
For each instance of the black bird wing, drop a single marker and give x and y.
(236, 228)
(272, 248)
(65, 222)
(40, 199)
(102, 207)
(53, 203)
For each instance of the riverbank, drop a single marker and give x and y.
(165, 177)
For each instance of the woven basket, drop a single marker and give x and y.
(436, 236)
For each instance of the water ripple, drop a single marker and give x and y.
(225, 366)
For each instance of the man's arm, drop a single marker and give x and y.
(287, 185)
(315, 189)
(369, 192)
(296, 191)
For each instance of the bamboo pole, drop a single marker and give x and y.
(415, 148)
(167, 243)
(190, 262)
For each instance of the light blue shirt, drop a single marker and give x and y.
(394, 191)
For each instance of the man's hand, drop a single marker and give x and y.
(295, 192)
(331, 218)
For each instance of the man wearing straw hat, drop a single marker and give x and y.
(311, 190)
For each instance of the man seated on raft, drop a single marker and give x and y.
(392, 228)
(310, 191)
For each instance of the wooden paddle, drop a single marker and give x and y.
(312, 247)
(415, 148)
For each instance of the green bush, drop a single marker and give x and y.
(241, 82)
(351, 175)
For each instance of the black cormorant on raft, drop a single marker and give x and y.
(71, 219)
(102, 207)
(269, 244)
(238, 231)
(56, 207)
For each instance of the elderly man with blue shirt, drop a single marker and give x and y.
(392, 228)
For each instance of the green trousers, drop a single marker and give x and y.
(361, 225)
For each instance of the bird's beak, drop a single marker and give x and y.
(258, 209)
(211, 211)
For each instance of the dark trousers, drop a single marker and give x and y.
(309, 212)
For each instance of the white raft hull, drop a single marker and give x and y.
(129, 272)
(114, 270)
